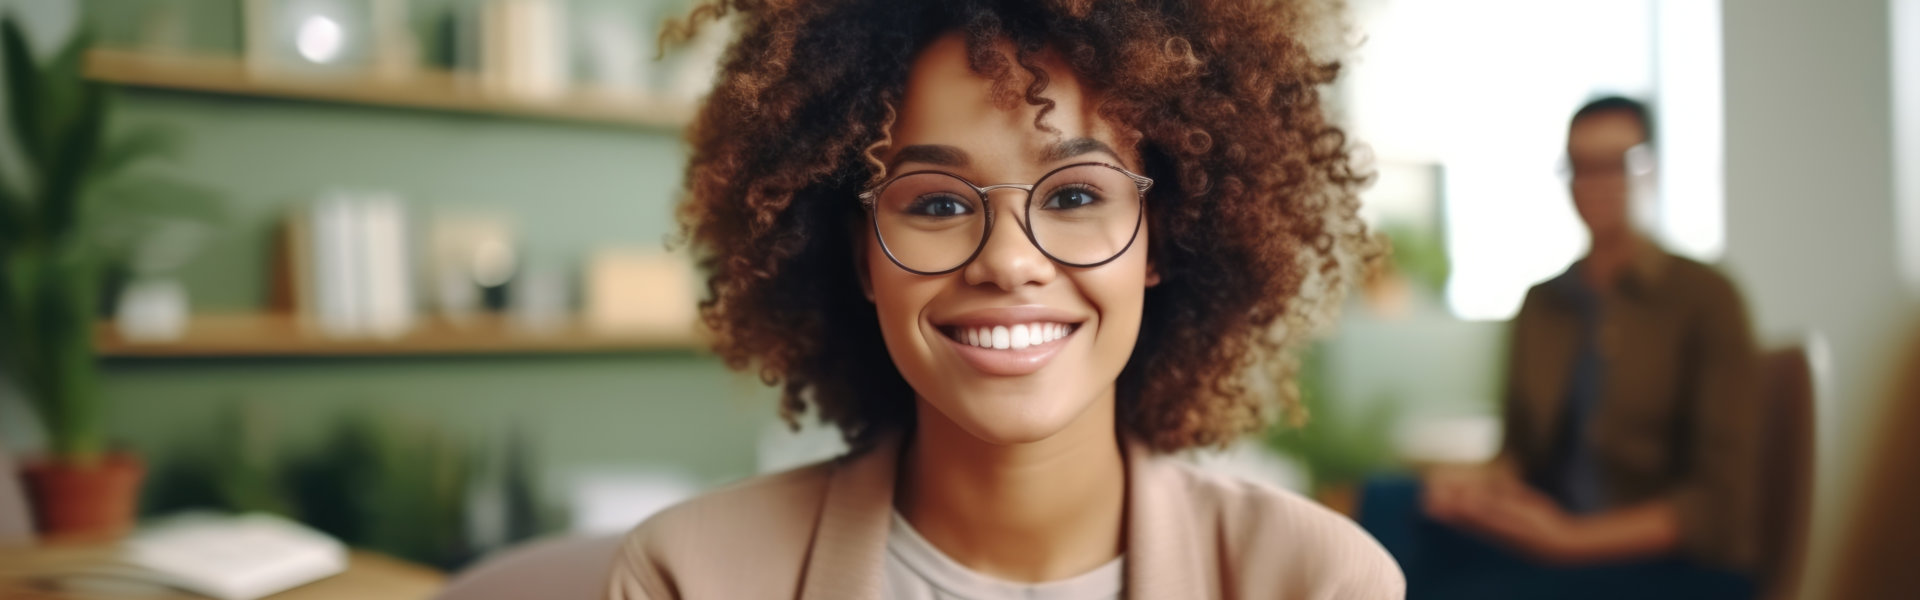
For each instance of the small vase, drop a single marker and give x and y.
(85, 504)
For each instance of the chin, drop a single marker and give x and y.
(1008, 419)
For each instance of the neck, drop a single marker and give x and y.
(1032, 512)
(1609, 255)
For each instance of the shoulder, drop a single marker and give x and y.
(1286, 543)
(1542, 298)
(766, 521)
(1701, 281)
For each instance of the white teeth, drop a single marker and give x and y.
(1014, 337)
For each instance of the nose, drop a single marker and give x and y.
(1010, 260)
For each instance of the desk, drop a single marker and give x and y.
(368, 576)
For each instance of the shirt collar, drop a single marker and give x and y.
(1645, 269)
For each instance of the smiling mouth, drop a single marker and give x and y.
(1009, 337)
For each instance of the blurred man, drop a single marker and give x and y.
(1629, 421)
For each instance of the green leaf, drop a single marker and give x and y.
(67, 176)
(13, 218)
(23, 90)
(62, 87)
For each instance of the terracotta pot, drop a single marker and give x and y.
(85, 504)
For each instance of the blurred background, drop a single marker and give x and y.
(397, 269)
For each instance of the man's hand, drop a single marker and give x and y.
(1491, 500)
(1531, 523)
(1494, 503)
(1462, 495)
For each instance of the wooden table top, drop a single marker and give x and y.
(368, 576)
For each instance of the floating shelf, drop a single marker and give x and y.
(423, 89)
(284, 335)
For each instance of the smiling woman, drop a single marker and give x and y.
(1015, 250)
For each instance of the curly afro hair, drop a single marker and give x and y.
(1253, 214)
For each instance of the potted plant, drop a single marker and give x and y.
(67, 215)
(1338, 446)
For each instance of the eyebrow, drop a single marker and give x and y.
(952, 156)
(1075, 147)
(933, 154)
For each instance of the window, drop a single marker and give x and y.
(1483, 90)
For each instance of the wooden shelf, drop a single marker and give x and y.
(284, 335)
(422, 90)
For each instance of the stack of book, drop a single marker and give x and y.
(348, 267)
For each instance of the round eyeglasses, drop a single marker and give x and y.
(1080, 215)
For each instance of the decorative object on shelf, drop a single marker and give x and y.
(472, 253)
(152, 305)
(296, 37)
(59, 229)
(634, 289)
(614, 49)
(523, 49)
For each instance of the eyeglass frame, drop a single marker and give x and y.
(869, 198)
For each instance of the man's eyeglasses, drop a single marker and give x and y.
(1079, 215)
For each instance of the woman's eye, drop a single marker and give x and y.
(939, 206)
(1070, 198)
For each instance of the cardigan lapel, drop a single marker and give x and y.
(850, 542)
(1163, 555)
(846, 559)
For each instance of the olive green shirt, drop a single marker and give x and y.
(1677, 417)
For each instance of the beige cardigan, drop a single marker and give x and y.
(819, 533)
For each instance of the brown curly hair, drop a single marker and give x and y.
(1253, 214)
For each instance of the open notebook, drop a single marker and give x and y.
(220, 556)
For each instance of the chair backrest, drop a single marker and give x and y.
(1874, 558)
(568, 568)
(1786, 465)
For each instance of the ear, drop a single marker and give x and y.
(1153, 272)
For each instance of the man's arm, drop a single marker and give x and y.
(1715, 504)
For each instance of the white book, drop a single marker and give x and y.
(388, 291)
(235, 557)
(335, 283)
(227, 557)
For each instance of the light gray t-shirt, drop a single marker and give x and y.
(915, 570)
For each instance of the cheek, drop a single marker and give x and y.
(899, 298)
(1118, 292)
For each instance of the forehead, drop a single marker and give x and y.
(946, 103)
(1605, 132)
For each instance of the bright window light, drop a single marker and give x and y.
(1484, 89)
(1906, 137)
(1691, 121)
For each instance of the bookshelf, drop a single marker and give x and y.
(424, 89)
(282, 335)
